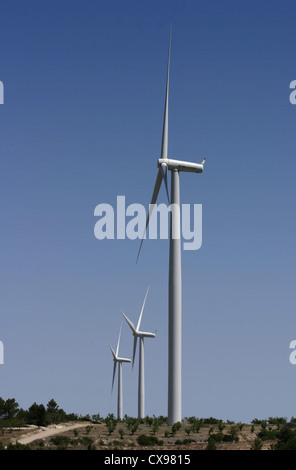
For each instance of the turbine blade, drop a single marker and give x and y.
(114, 371)
(113, 352)
(142, 310)
(151, 207)
(134, 350)
(129, 322)
(118, 340)
(164, 143)
(164, 170)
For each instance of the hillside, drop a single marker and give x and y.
(89, 436)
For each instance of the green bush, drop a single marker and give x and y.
(188, 441)
(211, 444)
(230, 438)
(267, 434)
(116, 443)
(286, 439)
(257, 444)
(277, 421)
(179, 442)
(18, 446)
(60, 441)
(217, 437)
(144, 440)
(176, 427)
(85, 441)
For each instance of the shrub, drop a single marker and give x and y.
(60, 441)
(212, 420)
(286, 439)
(230, 438)
(18, 446)
(134, 427)
(188, 441)
(267, 434)
(176, 427)
(188, 430)
(116, 443)
(217, 437)
(85, 440)
(277, 421)
(257, 444)
(211, 444)
(179, 442)
(144, 440)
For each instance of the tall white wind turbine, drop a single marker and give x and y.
(175, 285)
(141, 335)
(119, 360)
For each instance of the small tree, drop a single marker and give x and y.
(187, 430)
(211, 444)
(37, 415)
(257, 444)
(111, 426)
(196, 425)
(135, 426)
(155, 427)
(176, 427)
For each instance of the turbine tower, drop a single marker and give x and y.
(175, 282)
(118, 360)
(141, 335)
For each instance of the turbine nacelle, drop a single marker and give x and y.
(145, 334)
(180, 165)
(123, 359)
(116, 358)
(137, 333)
(136, 329)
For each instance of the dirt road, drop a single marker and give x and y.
(50, 431)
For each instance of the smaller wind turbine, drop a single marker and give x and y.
(141, 335)
(118, 360)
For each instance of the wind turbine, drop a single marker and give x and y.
(118, 360)
(175, 282)
(141, 335)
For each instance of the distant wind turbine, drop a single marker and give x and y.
(175, 282)
(141, 335)
(118, 360)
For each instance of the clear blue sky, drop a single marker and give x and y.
(84, 90)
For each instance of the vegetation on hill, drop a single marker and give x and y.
(207, 433)
(12, 415)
